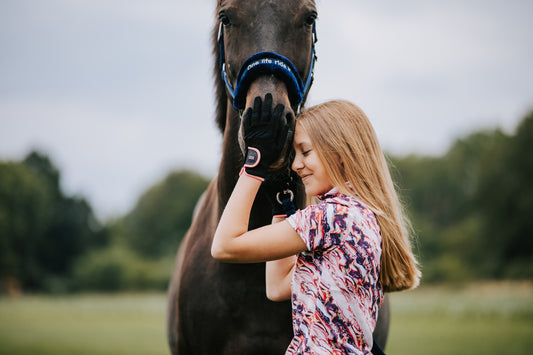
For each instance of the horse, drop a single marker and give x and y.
(218, 308)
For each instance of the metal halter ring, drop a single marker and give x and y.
(287, 191)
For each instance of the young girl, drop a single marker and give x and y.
(335, 258)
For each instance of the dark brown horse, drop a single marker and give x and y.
(217, 308)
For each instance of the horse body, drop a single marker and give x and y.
(220, 308)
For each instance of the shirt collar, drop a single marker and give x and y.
(334, 192)
(331, 193)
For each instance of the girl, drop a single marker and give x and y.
(335, 258)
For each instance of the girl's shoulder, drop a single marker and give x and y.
(351, 209)
(344, 201)
(332, 206)
(332, 220)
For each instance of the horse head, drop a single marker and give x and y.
(260, 51)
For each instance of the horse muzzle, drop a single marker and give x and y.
(269, 72)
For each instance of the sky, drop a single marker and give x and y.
(118, 93)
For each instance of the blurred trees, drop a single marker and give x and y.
(471, 209)
(505, 198)
(145, 241)
(53, 242)
(42, 231)
(162, 215)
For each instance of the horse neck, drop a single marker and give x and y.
(230, 167)
(232, 158)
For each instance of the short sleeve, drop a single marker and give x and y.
(320, 226)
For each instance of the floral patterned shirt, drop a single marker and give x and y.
(335, 290)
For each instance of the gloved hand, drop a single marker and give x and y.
(265, 134)
(282, 190)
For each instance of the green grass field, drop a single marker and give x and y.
(480, 319)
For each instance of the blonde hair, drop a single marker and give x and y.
(340, 129)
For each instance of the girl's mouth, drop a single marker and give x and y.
(305, 176)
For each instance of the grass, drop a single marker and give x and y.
(475, 319)
(84, 324)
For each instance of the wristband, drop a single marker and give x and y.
(251, 165)
(253, 156)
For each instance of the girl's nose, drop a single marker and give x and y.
(297, 163)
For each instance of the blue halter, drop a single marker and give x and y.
(267, 63)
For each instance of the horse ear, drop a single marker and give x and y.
(220, 89)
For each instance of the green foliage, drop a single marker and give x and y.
(119, 268)
(157, 224)
(52, 242)
(145, 240)
(471, 207)
(42, 231)
(506, 200)
(25, 213)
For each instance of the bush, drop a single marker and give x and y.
(117, 268)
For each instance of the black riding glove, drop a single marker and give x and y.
(265, 134)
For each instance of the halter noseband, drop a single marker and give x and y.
(266, 63)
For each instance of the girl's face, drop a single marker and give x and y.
(308, 166)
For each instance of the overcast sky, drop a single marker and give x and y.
(119, 92)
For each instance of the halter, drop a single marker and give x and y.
(266, 63)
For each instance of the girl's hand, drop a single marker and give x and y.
(265, 134)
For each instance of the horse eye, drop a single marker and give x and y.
(310, 20)
(224, 19)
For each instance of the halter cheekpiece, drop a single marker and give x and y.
(267, 63)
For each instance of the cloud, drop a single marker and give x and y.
(427, 72)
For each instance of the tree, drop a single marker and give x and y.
(436, 203)
(471, 207)
(42, 231)
(505, 198)
(163, 214)
(441, 197)
(25, 212)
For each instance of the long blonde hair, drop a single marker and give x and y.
(340, 129)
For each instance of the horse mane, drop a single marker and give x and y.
(221, 99)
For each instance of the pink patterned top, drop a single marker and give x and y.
(335, 290)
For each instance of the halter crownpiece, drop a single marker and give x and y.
(267, 63)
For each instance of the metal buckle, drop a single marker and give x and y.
(288, 192)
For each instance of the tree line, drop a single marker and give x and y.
(470, 208)
(52, 242)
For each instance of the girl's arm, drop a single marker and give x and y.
(279, 275)
(234, 243)
(279, 278)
